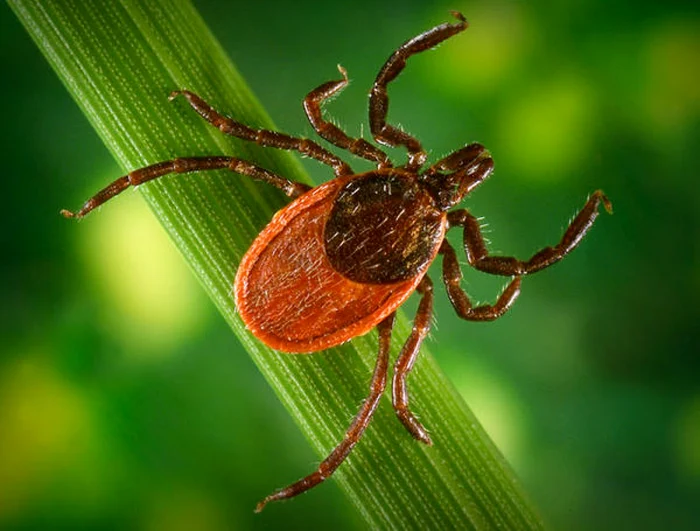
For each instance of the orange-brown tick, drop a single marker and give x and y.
(342, 257)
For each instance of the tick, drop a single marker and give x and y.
(342, 257)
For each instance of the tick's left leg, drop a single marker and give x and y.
(330, 131)
(356, 429)
(187, 165)
(384, 133)
(408, 355)
(478, 256)
(263, 137)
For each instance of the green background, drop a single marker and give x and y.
(119, 411)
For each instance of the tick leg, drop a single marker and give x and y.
(356, 429)
(329, 131)
(408, 355)
(452, 275)
(263, 136)
(479, 258)
(185, 165)
(384, 133)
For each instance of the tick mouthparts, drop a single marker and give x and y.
(485, 154)
(607, 204)
(68, 214)
(459, 16)
(482, 161)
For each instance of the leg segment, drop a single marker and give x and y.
(329, 131)
(262, 136)
(406, 359)
(452, 275)
(478, 256)
(356, 429)
(379, 99)
(185, 165)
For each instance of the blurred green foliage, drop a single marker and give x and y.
(117, 411)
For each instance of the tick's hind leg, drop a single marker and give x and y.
(331, 132)
(356, 429)
(406, 359)
(263, 136)
(479, 258)
(452, 276)
(384, 133)
(185, 165)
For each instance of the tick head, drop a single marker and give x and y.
(451, 179)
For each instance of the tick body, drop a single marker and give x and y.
(342, 257)
(339, 260)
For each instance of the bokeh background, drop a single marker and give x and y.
(125, 401)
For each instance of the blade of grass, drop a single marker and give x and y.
(120, 60)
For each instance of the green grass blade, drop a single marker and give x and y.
(120, 60)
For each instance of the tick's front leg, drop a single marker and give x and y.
(479, 258)
(330, 131)
(383, 132)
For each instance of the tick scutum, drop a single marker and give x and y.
(384, 227)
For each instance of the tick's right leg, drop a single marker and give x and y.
(185, 165)
(356, 429)
(479, 258)
(406, 359)
(452, 275)
(263, 136)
